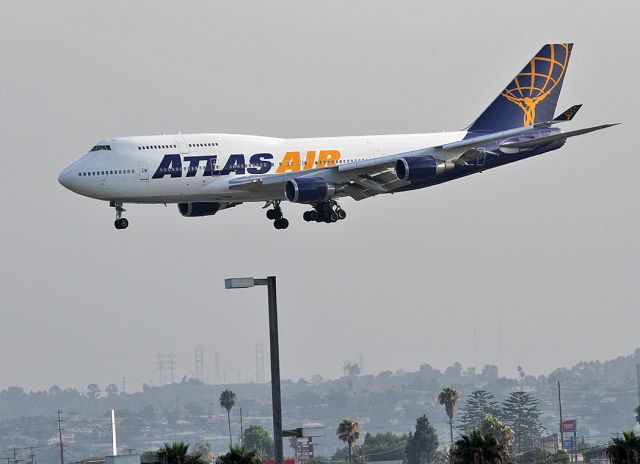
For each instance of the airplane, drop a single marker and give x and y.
(207, 173)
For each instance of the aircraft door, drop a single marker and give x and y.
(182, 144)
(144, 171)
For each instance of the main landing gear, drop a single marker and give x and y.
(328, 211)
(120, 222)
(275, 214)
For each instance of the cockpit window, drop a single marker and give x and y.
(101, 147)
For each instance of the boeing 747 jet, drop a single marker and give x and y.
(207, 173)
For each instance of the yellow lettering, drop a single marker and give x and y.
(328, 157)
(311, 157)
(290, 162)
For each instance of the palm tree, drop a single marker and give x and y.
(625, 450)
(176, 452)
(228, 401)
(449, 398)
(348, 431)
(238, 455)
(477, 448)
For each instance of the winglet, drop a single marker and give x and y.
(568, 114)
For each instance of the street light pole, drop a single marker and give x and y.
(274, 349)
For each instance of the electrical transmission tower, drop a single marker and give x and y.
(199, 363)
(166, 362)
(216, 369)
(260, 363)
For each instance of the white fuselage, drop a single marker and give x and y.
(198, 167)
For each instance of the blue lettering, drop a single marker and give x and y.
(235, 163)
(194, 163)
(171, 165)
(258, 163)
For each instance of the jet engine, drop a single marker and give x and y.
(308, 190)
(420, 167)
(200, 208)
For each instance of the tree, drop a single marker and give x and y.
(238, 455)
(476, 448)
(521, 413)
(479, 405)
(448, 397)
(257, 438)
(348, 431)
(498, 430)
(386, 446)
(177, 454)
(228, 401)
(93, 391)
(111, 390)
(422, 445)
(625, 450)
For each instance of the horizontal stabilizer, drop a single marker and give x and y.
(568, 115)
(564, 135)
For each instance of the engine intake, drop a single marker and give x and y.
(420, 167)
(307, 190)
(199, 208)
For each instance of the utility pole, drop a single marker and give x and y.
(32, 455)
(560, 406)
(638, 381)
(60, 435)
(241, 429)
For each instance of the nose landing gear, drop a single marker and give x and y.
(120, 222)
(275, 215)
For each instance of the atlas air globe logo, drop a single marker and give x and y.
(538, 79)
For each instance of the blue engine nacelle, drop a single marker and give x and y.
(199, 209)
(420, 167)
(307, 190)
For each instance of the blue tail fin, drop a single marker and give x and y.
(532, 95)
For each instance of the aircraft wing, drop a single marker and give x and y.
(562, 135)
(364, 179)
(358, 179)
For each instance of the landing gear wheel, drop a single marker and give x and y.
(271, 214)
(306, 216)
(341, 214)
(121, 223)
(333, 217)
(281, 223)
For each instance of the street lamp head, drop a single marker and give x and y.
(239, 282)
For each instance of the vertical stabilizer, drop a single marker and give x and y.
(531, 96)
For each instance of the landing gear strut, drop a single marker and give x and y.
(328, 211)
(120, 222)
(275, 215)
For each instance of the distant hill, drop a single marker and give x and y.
(601, 396)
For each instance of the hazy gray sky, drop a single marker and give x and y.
(547, 249)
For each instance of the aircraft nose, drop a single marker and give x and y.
(67, 178)
(64, 177)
